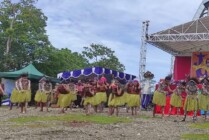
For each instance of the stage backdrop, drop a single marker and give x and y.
(182, 67)
(200, 64)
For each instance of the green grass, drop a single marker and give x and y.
(73, 117)
(195, 136)
(148, 117)
(204, 125)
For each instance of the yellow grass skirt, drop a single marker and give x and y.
(116, 100)
(176, 100)
(72, 97)
(101, 97)
(90, 100)
(63, 100)
(159, 98)
(126, 97)
(203, 102)
(24, 96)
(191, 103)
(14, 96)
(41, 97)
(134, 100)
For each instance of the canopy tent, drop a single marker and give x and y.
(32, 72)
(94, 71)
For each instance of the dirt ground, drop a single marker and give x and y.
(143, 127)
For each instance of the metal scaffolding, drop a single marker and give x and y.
(143, 50)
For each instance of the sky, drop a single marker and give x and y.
(116, 24)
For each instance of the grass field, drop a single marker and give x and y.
(195, 136)
(73, 117)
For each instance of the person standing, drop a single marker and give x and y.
(24, 92)
(1, 92)
(203, 97)
(63, 97)
(146, 89)
(176, 98)
(159, 98)
(116, 98)
(134, 97)
(101, 95)
(89, 97)
(191, 103)
(43, 95)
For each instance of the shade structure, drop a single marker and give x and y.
(183, 39)
(94, 71)
(32, 72)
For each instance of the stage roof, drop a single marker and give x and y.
(183, 39)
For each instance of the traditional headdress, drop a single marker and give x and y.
(148, 74)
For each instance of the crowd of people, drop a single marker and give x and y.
(191, 95)
(93, 95)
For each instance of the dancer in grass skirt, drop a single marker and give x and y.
(1, 92)
(48, 91)
(41, 96)
(101, 96)
(191, 103)
(63, 97)
(73, 93)
(159, 97)
(203, 97)
(24, 92)
(134, 97)
(15, 93)
(176, 99)
(128, 89)
(116, 98)
(89, 97)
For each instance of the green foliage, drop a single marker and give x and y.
(195, 136)
(103, 56)
(204, 125)
(73, 117)
(22, 34)
(5, 97)
(59, 61)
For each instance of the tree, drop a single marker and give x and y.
(22, 34)
(61, 60)
(103, 56)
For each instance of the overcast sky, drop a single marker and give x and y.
(116, 24)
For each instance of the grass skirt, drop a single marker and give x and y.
(90, 100)
(134, 100)
(101, 97)
(41, 97)
(159, 98)
(126, 97)
(176, 100)
(191, 103)
(72, 97)
(24, 96)
(203, 102)
(14, 96)
(63, 100)
(116, 100)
